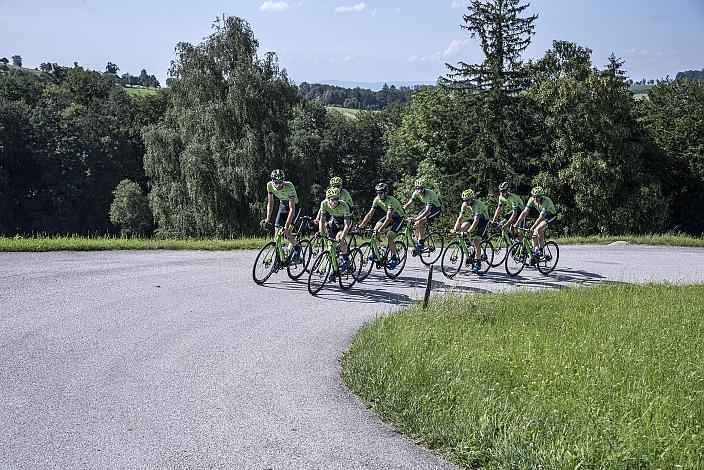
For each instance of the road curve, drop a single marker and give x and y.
(170, 359)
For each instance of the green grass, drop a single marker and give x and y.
(347, 112)
(667, 239)
(116, 243)
(141, 91)
(603, 377)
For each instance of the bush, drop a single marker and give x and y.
(130, 209)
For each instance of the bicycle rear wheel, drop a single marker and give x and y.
(402, 255)
(349, 277)
(296, 270)
(501, 247)
(551, 255)
(434, 243)
(452, 259)
(486, 256)
(319, 272)
(364, 265)
(265, 264)
(516, 259)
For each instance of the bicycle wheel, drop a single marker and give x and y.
(501, 246)
(516, 259)
(296, 270)
(347, 278)
(434, 243)
(266, 263)
(351, 242)
(317, 246)
(551, 255)
(364, 265)
(319, 272)
(402, 255)
(487, 256)
(452, 259)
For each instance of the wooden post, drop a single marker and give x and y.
(428, 286)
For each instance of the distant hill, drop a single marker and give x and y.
(375, 86)
(697, 75)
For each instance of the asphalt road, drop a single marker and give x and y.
(178, 360)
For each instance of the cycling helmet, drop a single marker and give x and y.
(332, 192)
(420, 183)
(538, 191)
(505, 186)
(335, 181)
(381, 188)
(277, 175)
(468, 194)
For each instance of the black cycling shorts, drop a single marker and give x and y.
(396, 224)
(335, 225)
(434, 212)
(508, 216)
(282, 215)
(378, 214)
(482, 225)
(550, 218)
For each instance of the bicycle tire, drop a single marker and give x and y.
(319, 272)
(402, 252)
(551, 253)
(434, 249)
(516, 258)
(486, 256)
(348, 278)
(501, 247)
(452, 259)
(302, 265)
(268, 263)
(366, 264)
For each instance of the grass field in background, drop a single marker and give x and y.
(602, 377)
(348, 112)
(141, 91)
(117, 243)
(667, 239)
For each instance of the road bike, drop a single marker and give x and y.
(521, 254)
(327, 263)
(501, 240)
(461, 250)
(433, 243)
(277, 255)
(373, 255)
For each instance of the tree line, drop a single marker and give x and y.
(198, 155)
(355, 98)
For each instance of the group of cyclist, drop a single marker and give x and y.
(334, 216)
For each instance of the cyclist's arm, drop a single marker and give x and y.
(423, 214)
(367, 217)
(522, 216)
(291, 213)
(458, 223)
(346, 228)
(321, 225)
(475, 222)
(408, 204)
(387, 219)
(496, 214)
(513, 216)
(540, 218)
(317, 217)
(269, 207)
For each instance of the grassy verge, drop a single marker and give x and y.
(108, 243)
(604, 377)
(672, 239)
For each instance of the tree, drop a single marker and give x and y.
(130, 209)
(17, 60)
(4, 61)
(46, 67)
(227, 127)
(111, 68)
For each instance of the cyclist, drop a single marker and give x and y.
(338, 225)
(336, 182)
(547, 218)
(288, 210)
(473, 218)
(507, 199)
(431, 209)
(389, 213)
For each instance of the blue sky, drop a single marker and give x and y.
(373, 40)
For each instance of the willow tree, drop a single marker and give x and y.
(225, 128)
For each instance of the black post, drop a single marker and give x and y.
(428, 286)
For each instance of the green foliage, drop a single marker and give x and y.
(17, 60)
(130, 209)
(355, 98)
(564, 379)
(225, 129)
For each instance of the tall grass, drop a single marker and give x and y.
(117, 243)
(666, 239)
(604, 377)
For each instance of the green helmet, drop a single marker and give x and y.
(537, 191)
(468, 194)
(381, 188)
(420, 183)
(335, 181)
(332, 192)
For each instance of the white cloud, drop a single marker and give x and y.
(273, 6)
(348, 8)
(454, 48)
(374, 12)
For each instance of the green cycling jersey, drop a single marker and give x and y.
(513, 200)
(389, 204)
(341, 211)
(345, 196)
(546, 205)
(470, 211)
(428, 197)
(285, 194)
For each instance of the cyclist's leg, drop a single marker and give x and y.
(394, 229)
(290, 236)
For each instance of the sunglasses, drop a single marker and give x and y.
(334, 199)
(419, 188)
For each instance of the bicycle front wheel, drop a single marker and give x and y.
(551, 255)
(434, 244)
(452, 259)
(296, 270)
(348, 277)
(364, 264)
(486, 256)
(501, 246)
(402, 252)
(266, 263)
(319, 272)
(516, 259)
